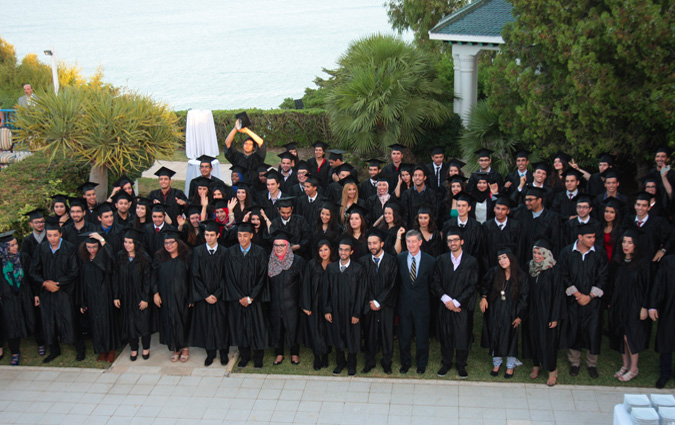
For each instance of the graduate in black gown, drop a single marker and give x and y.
(432, 242)
(209, 328)
(565, 201)
(286, 272)
(78, 224)
(246, 290)
(131, 283)
(293, 224)
(54, 277)
(155, 230)
(29, 247)
(546, 309)
(171, 289)
(343, 299)
(628, 309)
(16, 298)
(95, 294)
(381, 270)
(368, 187)
(192, 230)
(318, 166)
(537, 220)
(326, 226)
(498, 231)
(60, 208)
(254, 148)
(454, 297)
(472, 232)
(174, 200)
(419, 194)
(314, 324)
(662, 309)
(356, 226)
(504, 297)
(308, 204)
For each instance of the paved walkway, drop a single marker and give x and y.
(161, 392)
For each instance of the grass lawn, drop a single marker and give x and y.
(29, 356)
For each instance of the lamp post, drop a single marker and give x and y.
(55, 75)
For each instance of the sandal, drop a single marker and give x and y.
(619, 373)
(508, 375)
(495, 371)
(552, 378)
(15, 360)
(42, 350)
(185, 356)
(277, 361)
(174, 357)
(628, 376)
(295, 362)
(535, 372)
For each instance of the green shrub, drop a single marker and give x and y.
(27, 185)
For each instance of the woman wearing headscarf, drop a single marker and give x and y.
(546, 308)
(16, 298)
(286, 272)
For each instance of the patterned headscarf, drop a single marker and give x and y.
(536, 268)
(278, 264)
(11, 267)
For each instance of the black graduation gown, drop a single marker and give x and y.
(391, 172)
(199, 238)
(154, 241)
(246, 276)
(564, 206)
(367, 189)
(499, 336)
(472, 233)
(71, 234)
(629, 293)
(545, 304)
(433, 180)
(322, 173)
(16, 305)
(434, 246)
(289, 182)
(598, 206)
(518, 196)
(331, 235)
(124, 222)
(171, 279)
(214, 181)
(375, 208)
(547, 224)
(113, 237)
(412, 200)
(382, 286)
(284, 307)
(209, 328)
(310, 211)
(56, 308)
(514, 178)
(571, 227)
(173, 209)
(314, 325)
(494, 238)
(296, 190)
(595, 185)
(334, 192)
(454, 329)
(132, 284)
(248, 162)
(662, 299)
(583, 326)
(299, 230)
(266, 203)
(96, 297)
(654, 233)
(360, 245)
(493, 175)
(343, 297)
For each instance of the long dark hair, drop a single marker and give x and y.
(139, 251)
(500, 279)
(363, 226)
(614, 234)
(398, 220)
(332, 224)
(329, 244)
(137, 220)
(618, 257)
(183, 252)
(196, 200)
(432, 223)
(82, 250)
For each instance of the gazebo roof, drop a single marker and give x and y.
(480, 22)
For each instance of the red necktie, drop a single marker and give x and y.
(640, 223)
(571, 196)
(156, 229)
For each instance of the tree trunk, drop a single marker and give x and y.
(99, 174)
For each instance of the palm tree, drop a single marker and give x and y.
(385, 91)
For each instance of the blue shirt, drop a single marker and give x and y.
(59, 247)
(418, 257)
(245, 251)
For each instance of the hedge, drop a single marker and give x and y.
(28, 184)
(276, 126)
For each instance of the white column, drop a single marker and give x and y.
(457, 104)
(466, 78)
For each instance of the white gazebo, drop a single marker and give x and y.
(476, 27)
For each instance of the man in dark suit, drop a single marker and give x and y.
(416, 272)
(438, 168)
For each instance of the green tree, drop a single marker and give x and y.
(420, 16)
(385, 91)
(587, 76)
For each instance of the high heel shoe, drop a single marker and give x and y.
(146, 356)
(133, 357)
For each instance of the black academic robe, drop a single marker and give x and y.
(209, 328)
(153, 240)
(571, 228)
(494, 238)
(662, 299)
(95, 296)
(90, 215)
(545, 304)
(432, 179)
(309, 210)
(360, 245)
(288, 182)
(171, 279)
(124, 222)
(375, 208)
(29, 247)
(284, 307)
(332, 235)
(131, 284)
(246, 276)
(343, 296)
(367, 189)
(56, 308)
(454, 329)
(249, 163)
(434, 246)
(595, 185)
(16, 304)
(629, 293)
(214, 181)
(391, 172)
(546, 224)
(382, 286)
(655, 233)
(493, 175)
(266, 203)
(71, 233)
(472, 233)
(113, 237)
(564, 206)
(598, 206)
(321, 172)
(412, 200)
(334, 192)
(173, 209)
(390, 240)
(297, 228)
(314, 325)
(198, 238)
(514, 178)
(656, 175)
(499, 336)
(583, 326)
(296, 190)
(518, 196)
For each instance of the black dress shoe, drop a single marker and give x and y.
(208, 362)
(338, 370)
(317, 363)
(367, 369)
(351, 371)
(443, 370)
(387, 370)
(494, 372)
(421, 370)
(574, 370)
(50, 357)
(242, 363)
(133, 358)
(404, 368)
(508, 375)
(324, 360)
(661, 382)
(146, 356)
(593, 372)
(257, 365)
(224, 359)
(462, 373)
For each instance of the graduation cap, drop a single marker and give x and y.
(454, 162)
(563, 156)
(381, 177)
(634, 233)
(240, 185)
(464, 196)
(456, 179)
(454, 231)
(357, 209)
(313, 180)
(574, 172)
(202, 181)
(193, 209)
(484, 152)
(302, 165)
(344, 167)
(504, 200)
(423, 168)
(86, 237)
(537, 192)
(238, 169)
(282, 235)
(287, 155)
(74, 202)
(349, 179)
(219, 204)
(205, 159)
(171, 234)
(610, 173)
(488, 177)
(543, 242)
(374, 162)
(584, 198)
(585, 229)
(648, 178)
(542, 165)
(407, 167)
(262, 168)
(663, 149)
(348, 240)
(275, 175)
(397, 147)
(243, 117)
(613, 202)
(437, 150)
(643, 196)
(522, 153)
(59, 197)
(254, 209)
(142, 201)
(320, 144)
(244, 227)
(425, 209)
(87, 186)
(211, 226)
(123, 195)
(290, 146)
(335, 154)
(131, 233)
(52, 223)
(122, 181)
(374, 231)
(394, 205)
(35, 214)
(103, 208)
(159, 208)
(163, 171)
(330, 205)
(505, 248)
(285, 202)
(7, 236)
(606, 158)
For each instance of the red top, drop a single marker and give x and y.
(609, 247)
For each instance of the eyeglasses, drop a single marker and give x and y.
(280, 245)
(169, 242)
